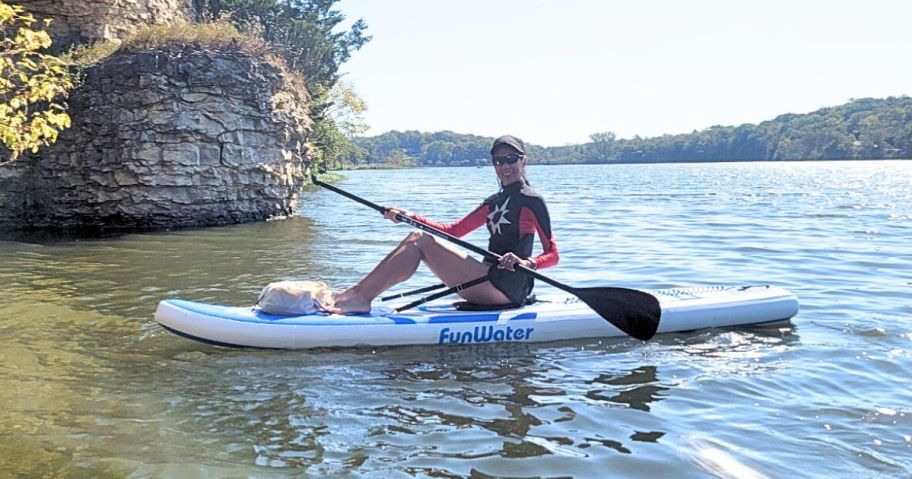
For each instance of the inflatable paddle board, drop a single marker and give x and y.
(551, 318)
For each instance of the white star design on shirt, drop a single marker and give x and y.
(502, 220)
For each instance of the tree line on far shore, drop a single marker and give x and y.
(860, 129)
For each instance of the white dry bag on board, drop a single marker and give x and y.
(295, 297)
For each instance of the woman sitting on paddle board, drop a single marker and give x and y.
(513, 217)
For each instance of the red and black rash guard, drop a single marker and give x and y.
(513, 217)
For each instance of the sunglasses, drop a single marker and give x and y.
(510, 159)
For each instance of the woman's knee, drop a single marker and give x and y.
(419, 239)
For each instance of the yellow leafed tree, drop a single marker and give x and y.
(32, 84)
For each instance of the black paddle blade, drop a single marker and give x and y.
(634, 312)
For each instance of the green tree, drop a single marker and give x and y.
(437, 153)
(341, 120)
(603, 145)
(306, 33)
(399, 159)
(31, 84)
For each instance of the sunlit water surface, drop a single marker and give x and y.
(90, 386)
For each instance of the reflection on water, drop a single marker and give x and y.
(499, 402)
(92, 387)
(640, 388)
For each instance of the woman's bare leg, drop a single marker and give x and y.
(450, 265)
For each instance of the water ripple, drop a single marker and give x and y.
(92, 387)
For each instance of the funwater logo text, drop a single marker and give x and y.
(484, 334)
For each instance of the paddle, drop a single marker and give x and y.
(634, 312)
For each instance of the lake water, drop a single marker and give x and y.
(90, 386)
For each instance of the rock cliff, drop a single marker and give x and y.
(174, 136)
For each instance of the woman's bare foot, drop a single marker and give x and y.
(349, 301)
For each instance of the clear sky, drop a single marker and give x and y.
(554, 72)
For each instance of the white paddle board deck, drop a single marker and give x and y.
(553, 318)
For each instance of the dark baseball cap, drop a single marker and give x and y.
(510, 141)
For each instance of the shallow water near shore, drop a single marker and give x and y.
(91, 386)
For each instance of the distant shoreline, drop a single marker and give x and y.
(688, 162)
(863, 129)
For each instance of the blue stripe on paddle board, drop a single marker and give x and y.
(477, 318)
(249, 315)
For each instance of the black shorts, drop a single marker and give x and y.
(515, 285)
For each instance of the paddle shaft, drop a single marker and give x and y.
(434, 231)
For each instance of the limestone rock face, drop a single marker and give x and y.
(86, 21)
(164, 139)
(14, 190)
